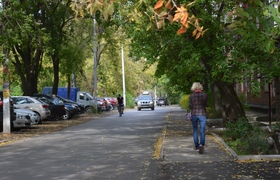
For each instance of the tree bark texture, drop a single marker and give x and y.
(28, 68)
(55, 61)
(232, 107)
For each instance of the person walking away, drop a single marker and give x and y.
(198, 102)
(120, 102)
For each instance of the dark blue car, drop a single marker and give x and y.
(70, 108)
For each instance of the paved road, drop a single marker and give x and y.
(121, 148)
(108, 148)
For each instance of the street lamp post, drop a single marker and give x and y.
(95, 62)
(123, 77)
(6, 95)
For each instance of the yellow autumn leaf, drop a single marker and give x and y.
(194, 32)
(160, 24)
(191, 3)
(170, 18)
(202, 33)
(163, 14)
(197, 35)
(184, 19)
(177, 17)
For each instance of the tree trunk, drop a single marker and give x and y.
(217, 100)
(232, 107)
(55, 61)
(28, 68)
(276, 102)
(68, 86)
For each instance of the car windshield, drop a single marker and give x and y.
(145, 98)
(89, 96)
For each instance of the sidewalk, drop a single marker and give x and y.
(179, 134)
(180, 160)
(178, 142)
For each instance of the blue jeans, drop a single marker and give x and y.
(202, 122)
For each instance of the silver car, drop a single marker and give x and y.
(145, 101)
(22, 120)
(26, 112)
(26, 102)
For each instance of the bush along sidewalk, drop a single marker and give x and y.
(251, 139)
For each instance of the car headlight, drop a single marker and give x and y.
(19, 116)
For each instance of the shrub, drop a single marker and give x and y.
(184, 102)
(245, 138)
(129, 101)
(238, 129)
(276, 127)
(256, 142)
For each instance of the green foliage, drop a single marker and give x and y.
(184, 102)
(256, 142)
(245, 138)
(95, 110)
(238, 129)
(212, 113)
(276, 127)
(16, 91)
(129, 101)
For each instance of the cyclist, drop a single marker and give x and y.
(120, 102)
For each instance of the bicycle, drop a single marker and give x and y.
(120, 109)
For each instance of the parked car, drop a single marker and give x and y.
(33, 104)
(23, 120)
(162, 101)
(145, 101)
(79, 108)
(113, 102)
(105, 104)
(12, 113)
(109, 105)
(71, 108)
(26, 112)
(57, 110)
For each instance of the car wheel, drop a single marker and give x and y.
(39, 118)
(88, 110)
(139, 109)
(66, 115)
(153, 108)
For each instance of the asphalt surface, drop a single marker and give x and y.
(181, 161)
(121, 148)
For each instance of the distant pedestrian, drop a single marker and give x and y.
(197, 103)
